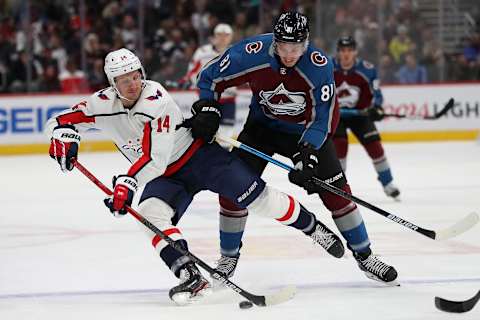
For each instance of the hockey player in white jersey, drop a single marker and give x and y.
(221, 40)
(172, 164)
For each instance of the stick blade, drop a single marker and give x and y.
(447, 107)
(458, 228)
(281, 296)
(456, 306)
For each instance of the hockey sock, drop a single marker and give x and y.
(305, 221)
(348, 219)
(232, 225)
(353, 230)
(377, 154)
(174, 259)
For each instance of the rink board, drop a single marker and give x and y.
(22, 117)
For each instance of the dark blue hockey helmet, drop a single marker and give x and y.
(291, 27)
(346, 42)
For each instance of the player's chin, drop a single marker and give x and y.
(291, 63)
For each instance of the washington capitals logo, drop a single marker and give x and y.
(155, 97)
(348, 95)
(282, 102)
(102, 95)
(254, 47)
(318, 59)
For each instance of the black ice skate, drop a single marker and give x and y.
(375, 269)
(192, 287)
(226, 266)
(391, 190)
(327, 240)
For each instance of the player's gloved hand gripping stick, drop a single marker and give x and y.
(458, 228)
(283, 295)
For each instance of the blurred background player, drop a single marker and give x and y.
(360, 102)
(293, 113)
(148, 128)
(221, 40)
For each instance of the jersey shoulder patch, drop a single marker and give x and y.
(368, 65)
(253, 47)
(318, 58)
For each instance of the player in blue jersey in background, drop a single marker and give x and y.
(360, 102)
(293, 112)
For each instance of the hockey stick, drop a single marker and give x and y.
(445, 109)
(283, 295)
(457, 306)
(458, 228)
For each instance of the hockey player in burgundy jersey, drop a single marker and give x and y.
(293, 113)
(149, 130)
(360, 102)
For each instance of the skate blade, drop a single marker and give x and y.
(393, 283)
(185, 298)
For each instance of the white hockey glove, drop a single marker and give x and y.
(64, 146)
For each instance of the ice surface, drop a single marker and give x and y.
(63, 256)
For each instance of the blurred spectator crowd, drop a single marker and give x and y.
(54, 32)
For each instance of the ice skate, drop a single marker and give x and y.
(376, 269)
(193, 286)
(226, 266)
(391, 190)
(327, 240)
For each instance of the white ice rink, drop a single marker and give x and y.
(63, 256)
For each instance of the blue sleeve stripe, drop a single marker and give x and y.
(237, 75)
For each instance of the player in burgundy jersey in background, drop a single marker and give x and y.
(360, 102)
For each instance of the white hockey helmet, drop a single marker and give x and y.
(120, 62)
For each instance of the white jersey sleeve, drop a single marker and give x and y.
(145, 134)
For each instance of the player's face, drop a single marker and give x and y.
(222, 40)
(130, 85)
(289, 53)
(347, 56)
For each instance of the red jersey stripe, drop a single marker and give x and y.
(147, 150)
(74, 118)
(177, 165)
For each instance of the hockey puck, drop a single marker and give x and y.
(245, 304)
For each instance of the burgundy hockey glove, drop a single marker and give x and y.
(306, 163)
(124, 188)
(375, 113)
(64, 146)
(205, 120)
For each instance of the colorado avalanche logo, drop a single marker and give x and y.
(318, 59)
(281, 102)
(155, 97)
(348, 95)
(254, 47)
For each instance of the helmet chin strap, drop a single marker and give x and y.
(123, 97)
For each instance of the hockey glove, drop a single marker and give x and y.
(64, 146)
(306, 163)
(124, 188)
(375, 113)
(205, 120)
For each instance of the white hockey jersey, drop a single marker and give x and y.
(200, 58)
(146, 134)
